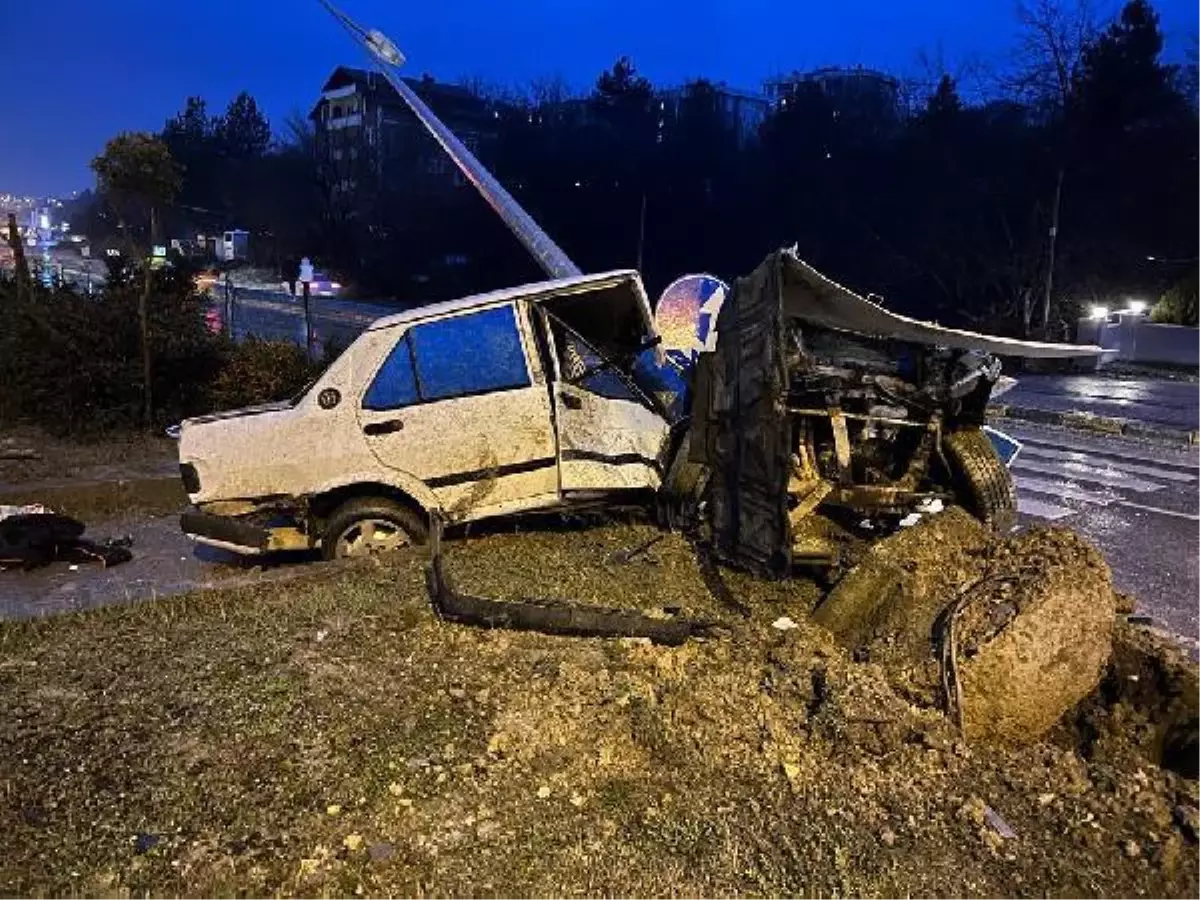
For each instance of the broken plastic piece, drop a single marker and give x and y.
(997, 823)
(784, 623)
(910, 520)
(931, 505)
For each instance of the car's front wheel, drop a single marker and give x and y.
(370, 526)
(983, 483)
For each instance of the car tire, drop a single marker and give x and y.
(982, 482)
(370, 526)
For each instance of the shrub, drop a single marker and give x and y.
(258, 371)
(1178, 306)
(71, 363)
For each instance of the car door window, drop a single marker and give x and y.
(466, 355)
(395, 383)
(471, 354)
(581, 364)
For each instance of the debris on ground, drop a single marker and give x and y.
(33, 536)
(9, 452)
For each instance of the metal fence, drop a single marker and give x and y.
(242, 312)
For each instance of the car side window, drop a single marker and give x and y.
(457, 357)
(470, 354)
(395, 384)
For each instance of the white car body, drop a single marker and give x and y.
(489, 425)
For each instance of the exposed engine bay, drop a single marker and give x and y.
(817, 399)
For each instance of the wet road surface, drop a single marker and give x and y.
(165, 561)
(1136, 501)
(1155, 401)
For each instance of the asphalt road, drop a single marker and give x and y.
(1155, 401)
(1136, 501)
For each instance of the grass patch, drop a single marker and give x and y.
(330, 735)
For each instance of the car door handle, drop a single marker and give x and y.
(386, 427)
(570, 401)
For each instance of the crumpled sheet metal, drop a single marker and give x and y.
(812, 297)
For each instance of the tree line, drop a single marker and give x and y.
(1075, 183)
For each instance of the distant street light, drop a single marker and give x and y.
(1098, 312)
(1136, 307)
(1160, 259)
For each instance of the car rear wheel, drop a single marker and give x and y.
(983, 484)
(370, 526)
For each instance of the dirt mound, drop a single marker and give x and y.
(898, 588)
(1019, 627)
(1033, 635)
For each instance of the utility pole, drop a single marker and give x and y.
(229, 299)
(1058, 185)
(306, 277)
(641, 233)
(20, 264)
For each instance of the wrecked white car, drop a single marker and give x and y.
(531, 398)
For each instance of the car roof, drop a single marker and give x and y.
(535, 289)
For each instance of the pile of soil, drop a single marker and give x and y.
(1008, 633)
(337, 738)
(1034, 635)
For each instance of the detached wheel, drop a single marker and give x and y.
(370, 526)
(983, 484)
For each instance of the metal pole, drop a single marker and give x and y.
(641, 232)
(308, 336)
(229, 306)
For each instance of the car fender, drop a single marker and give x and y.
(406, 484)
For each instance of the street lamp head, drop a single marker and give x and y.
(383, 48)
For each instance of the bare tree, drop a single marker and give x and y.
(1054, 34)
(549, 90)
(970, 73)
(1189, 72)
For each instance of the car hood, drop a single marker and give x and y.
(812, 297)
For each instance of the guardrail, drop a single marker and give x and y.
(243, 312)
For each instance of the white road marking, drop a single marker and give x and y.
(1091, 461)
(1167, 456)
(1191, 517)
(1058, 489)
(1070, 471)
(1037, 508)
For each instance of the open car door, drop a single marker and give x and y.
(611, 436)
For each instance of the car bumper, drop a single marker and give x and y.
(224, 532)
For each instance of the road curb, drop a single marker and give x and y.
(1106, 425)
